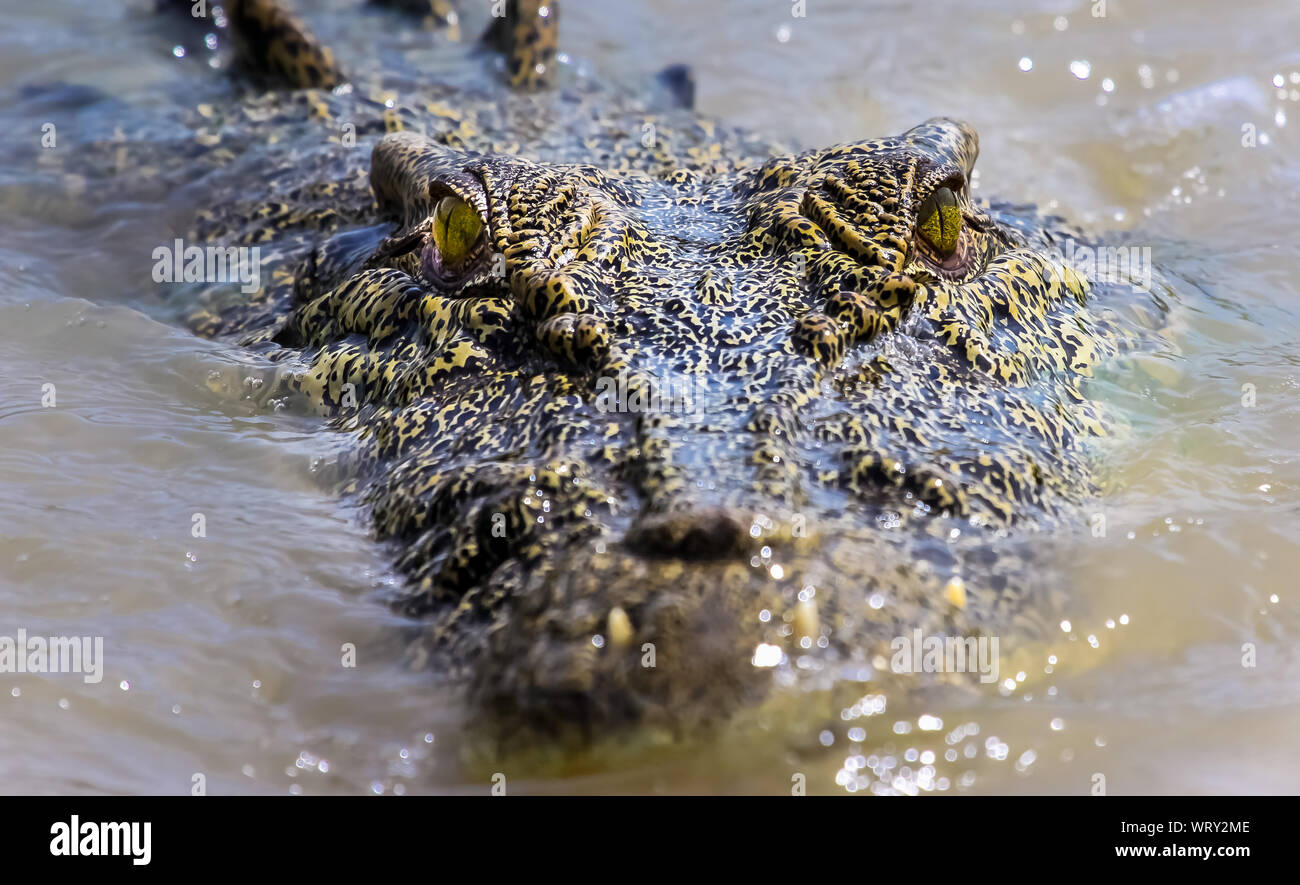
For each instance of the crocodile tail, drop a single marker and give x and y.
(274, 43)
(526, 32)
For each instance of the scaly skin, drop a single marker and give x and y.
(870, 421)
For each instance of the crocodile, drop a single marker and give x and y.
(657, 416)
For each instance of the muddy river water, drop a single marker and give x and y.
(1169, 127)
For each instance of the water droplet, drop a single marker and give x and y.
(766, 655)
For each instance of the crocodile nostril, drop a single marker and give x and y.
(701, 533)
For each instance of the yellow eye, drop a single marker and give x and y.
(456, 228)
(939, 221)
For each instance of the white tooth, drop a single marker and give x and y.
(805, 619)
(955, 593)
(619, 628)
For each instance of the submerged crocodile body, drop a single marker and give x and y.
(645, 404)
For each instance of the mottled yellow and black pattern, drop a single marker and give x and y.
(277, 45)
(885, 377)
(527, 35)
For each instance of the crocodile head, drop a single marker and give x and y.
(654, 415)
(643, 442)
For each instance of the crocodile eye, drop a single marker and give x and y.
(939, 222)
(456, 245)
(456, 230)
